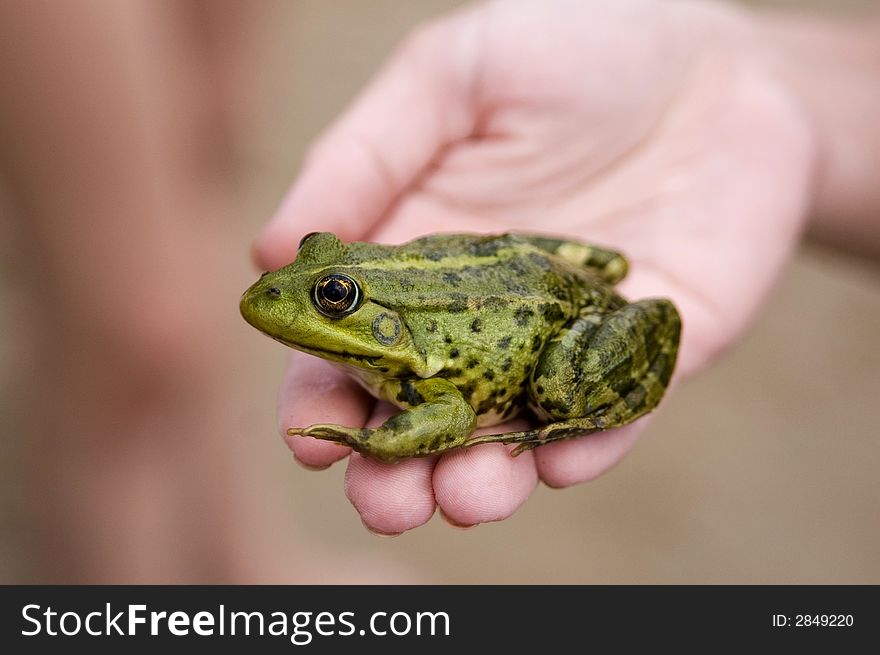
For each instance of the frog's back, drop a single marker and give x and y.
(481, 308)
(453, 272)
(449, 274)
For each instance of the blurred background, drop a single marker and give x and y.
(139, 445)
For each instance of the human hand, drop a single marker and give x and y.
(653, 128)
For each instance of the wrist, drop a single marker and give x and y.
(831, 66)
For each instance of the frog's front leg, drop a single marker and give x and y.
(600, 372)
(438, 420)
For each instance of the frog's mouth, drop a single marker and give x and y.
(345, 357)
(258, 311)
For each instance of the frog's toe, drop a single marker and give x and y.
(328, 432)
(529, 439)
(523, 438)
(523, 447)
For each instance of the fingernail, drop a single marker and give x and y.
(379, 533)
(310, 467)
(456, 524)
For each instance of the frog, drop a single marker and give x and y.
(461, 331)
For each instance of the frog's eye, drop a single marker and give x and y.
(302, 241)
(336, 295)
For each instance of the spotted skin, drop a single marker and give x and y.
(600, 372)
(438, 419)
(462, 331)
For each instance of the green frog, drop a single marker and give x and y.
(462, 331)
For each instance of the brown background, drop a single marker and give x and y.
(764, 469)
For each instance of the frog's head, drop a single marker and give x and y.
(321, 305)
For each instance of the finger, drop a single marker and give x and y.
(314, 391)
(581, 459)
(483, 484)
(390, 498)
(416, 105)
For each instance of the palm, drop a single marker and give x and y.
(673, 165)
(619, 130)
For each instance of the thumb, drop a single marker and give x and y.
(417, 104)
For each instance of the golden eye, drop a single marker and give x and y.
(336, 295)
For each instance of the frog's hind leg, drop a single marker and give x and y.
(600, 373)
(609, 265)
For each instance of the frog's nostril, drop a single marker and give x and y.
(273, 292)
